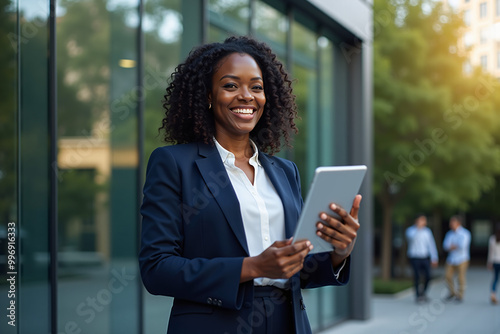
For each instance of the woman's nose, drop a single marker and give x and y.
(245, 95)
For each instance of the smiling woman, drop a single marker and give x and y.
(228, 255)
(191, 88)
(81, 88)
(237, 97)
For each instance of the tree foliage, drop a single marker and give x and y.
(435, 145)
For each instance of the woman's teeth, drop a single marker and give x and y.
(243, 111)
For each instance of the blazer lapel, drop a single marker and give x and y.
(215, 176)
(280, 182)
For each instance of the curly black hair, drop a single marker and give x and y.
(187, 115)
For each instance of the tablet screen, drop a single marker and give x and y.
(337, 184)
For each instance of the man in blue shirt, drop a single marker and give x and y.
(457, 244)
(421, 252)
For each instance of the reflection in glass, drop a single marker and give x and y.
(8, 122)
(334, 303)
(34, 165)
(97, 159)
(271, 26)
(270, 23)
(327, 110)
(162, 53)
(8, 147)
(304, 71)
(227, 18)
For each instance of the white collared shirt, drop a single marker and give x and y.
(421, 243)
(460, 238)
(493, 250)
(260, 205)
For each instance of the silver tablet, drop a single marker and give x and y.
(340, 185)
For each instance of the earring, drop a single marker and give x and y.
(210, 106)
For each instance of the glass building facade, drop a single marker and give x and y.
(80, 107)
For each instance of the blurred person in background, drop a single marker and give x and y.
(422, 253)
(457, 244)
(493, 262)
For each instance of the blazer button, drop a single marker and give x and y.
(219, 302)
(209, 300)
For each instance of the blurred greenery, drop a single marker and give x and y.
(436, 127)
(391, 287)
(77, 193)
(82, 66)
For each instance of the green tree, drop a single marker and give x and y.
(434, 125)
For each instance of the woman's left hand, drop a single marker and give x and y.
(340, 231)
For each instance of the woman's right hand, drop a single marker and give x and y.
(280, 260)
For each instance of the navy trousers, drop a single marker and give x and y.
(272, 311)
(421, 269)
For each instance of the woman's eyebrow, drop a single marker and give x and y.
(230, 76)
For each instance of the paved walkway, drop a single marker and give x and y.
(401, 315)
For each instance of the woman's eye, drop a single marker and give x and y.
(229, 85)
(258, 87)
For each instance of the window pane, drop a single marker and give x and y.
(482, 10)
(228, 17)
(164, 42)
(97, 142)
(341, 94)
(327, 109)
(334, 304)
(483, 35)
(304, 71)
(467, 17)
(271, 26)
(484, 62)
(34, 164)
(10, 228)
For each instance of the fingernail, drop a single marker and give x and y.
(333, 206)
(318, 233)
(308, 243)
(320, 226)
(323, 216)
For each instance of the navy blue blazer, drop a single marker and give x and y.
(193, 241)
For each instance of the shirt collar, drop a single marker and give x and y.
(228, 157)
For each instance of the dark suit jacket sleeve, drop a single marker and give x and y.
(318, 271)
(164, 269)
